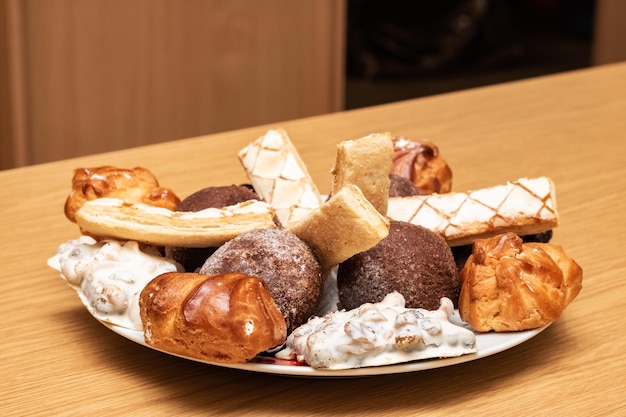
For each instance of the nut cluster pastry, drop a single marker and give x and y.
(376, 334)
(507, 285)
(109, 275)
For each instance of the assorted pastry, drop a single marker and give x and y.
(411, 260)
(285, 263)
(376, 334)
(368, 276)
(507, 284)
(221, 318)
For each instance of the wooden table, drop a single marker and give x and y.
(57, 360)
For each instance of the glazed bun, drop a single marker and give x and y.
(227, 318)
(508, 285)
(134, 185)
(422, 163)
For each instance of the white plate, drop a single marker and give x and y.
(486, 343)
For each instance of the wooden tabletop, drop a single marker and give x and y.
(58, 360)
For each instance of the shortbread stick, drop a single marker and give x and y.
(343, 226)
(280, 177)
(366, 163)
(211, 227)
(525, 206)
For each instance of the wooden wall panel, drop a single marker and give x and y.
(108, 74)
(609, 32)
(6, 145)
(13, 140)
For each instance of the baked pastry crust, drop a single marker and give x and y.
(365, 162)
(137, 185)
(119, 219)
(507, 285)
(421, 163)
(227, 318)
(524, 206)
(343, 226)
(280, 176)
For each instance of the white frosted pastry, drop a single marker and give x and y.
(280, 177)
(525, 206)
(376, 334)
(109, 276)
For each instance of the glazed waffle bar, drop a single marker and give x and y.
(525, 206)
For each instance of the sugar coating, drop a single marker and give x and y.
(286, 264)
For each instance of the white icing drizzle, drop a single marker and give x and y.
(109, 276)
(376, 334)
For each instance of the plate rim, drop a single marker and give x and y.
(504, 341)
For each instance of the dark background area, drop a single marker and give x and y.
(399, 50)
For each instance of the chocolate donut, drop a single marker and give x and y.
(401, 187)
(217, 197)
(286, 264)
(411, 260)
(210, 197)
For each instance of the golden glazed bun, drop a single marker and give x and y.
(422, 163)
(227, 318)
(134, 185)
(507, 285)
